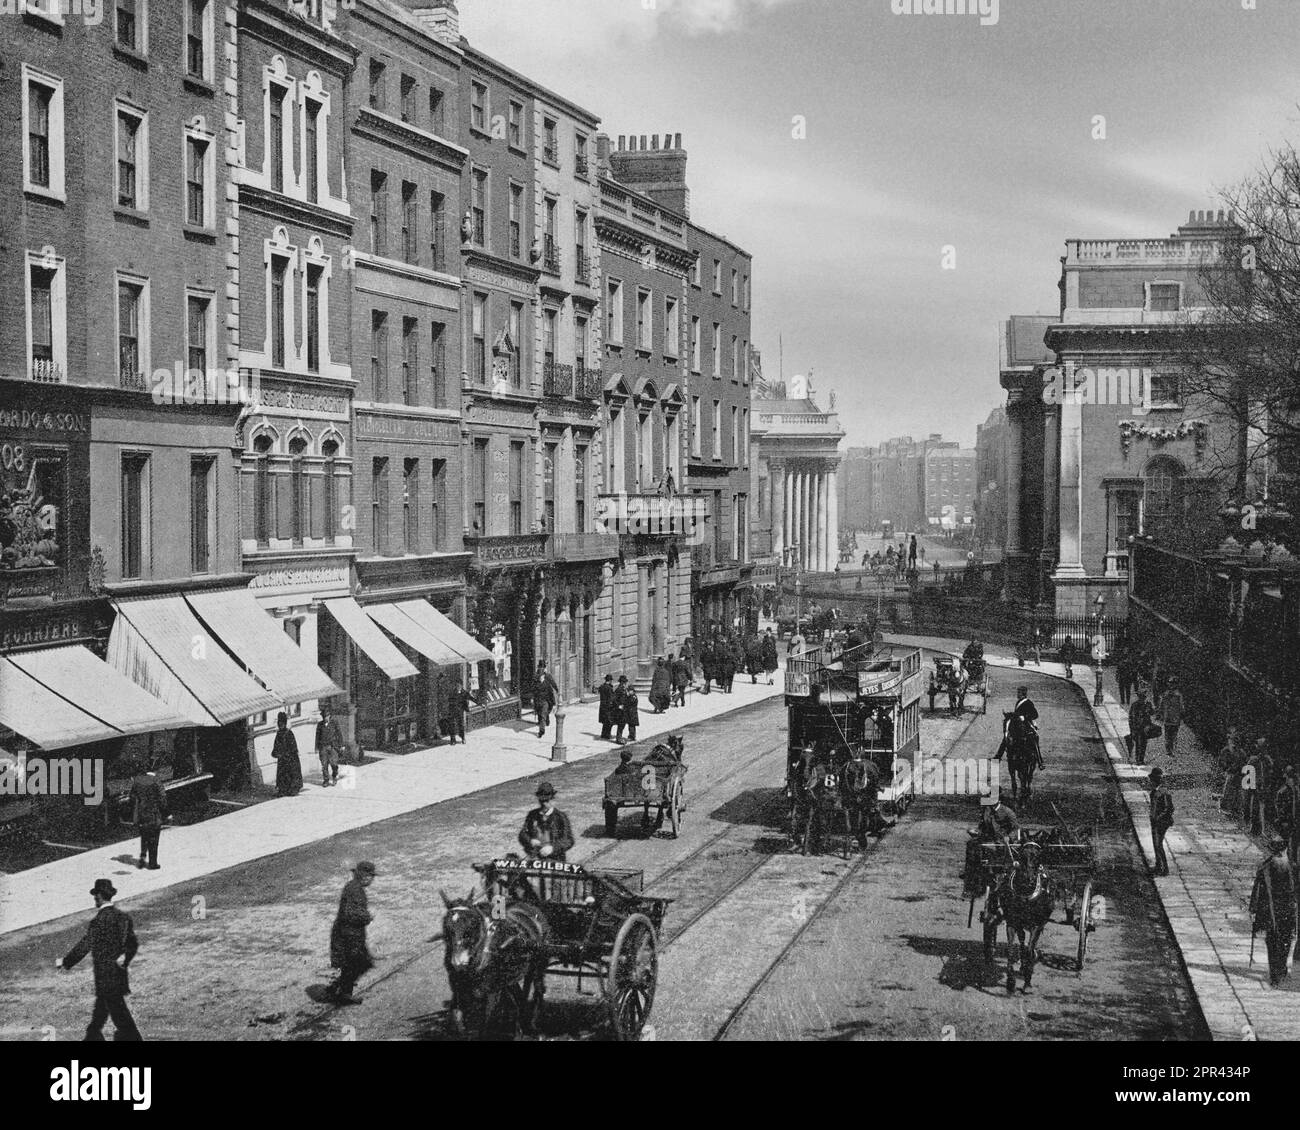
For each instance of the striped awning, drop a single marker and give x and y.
(365, 633)
(159, 644)
(260, 645)
(415, 635)
(31, 709)
(445, 631)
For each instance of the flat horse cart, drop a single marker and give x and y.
(1069, 860)
(658, 780)
(599, 929)
(979, 680)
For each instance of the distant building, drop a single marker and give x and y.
(948, 487)
(991, 479)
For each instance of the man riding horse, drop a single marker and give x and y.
(1020, 743)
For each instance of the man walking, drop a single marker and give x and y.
(1285, 809)
(1272, 908)
(1256, 778)
(349, 953)
(1139, 724)
(1124, 677)
(1162, 818)
(110, 936)
(150, 802)
(545, 693)
(329, 741)
(620, 707)
(461, 701)
(547, 833)
(605, 715)
(1171, 713)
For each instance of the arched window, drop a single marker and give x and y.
(1163, 497)
(262, 446)
(298, 493)
(330, 450)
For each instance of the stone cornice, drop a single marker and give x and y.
(420, 143)
(277, 206)
(276, 25)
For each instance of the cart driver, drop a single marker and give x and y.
(547, 833)
(1000, 823)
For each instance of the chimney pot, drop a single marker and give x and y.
(643, 145)
(1191, 217)
(1220, 215)
(677, 143)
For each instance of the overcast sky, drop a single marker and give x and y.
(922, 131)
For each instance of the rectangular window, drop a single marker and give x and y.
(695, 272)
(550, 319)
(312, 317)
(516, 344)
(695, 344)
(410, 224)
(479, 484)
(313, 154)
(735, 358)
(262, 491)
(550, 144)
(478, 100)
(197, 37)
(1126, 517)
(408, 98)
(717, 349)
(132, 162)
(436, 111)
(516, 221)
(717, 429)
(672, 328)
(330, 450)
(478, 205)
(515, 125)
(379, 505)
(581, 267)
(580, 164)
(745, 298)
(744, 437)
(644, 320)
(279, 271)
(196, 182)
(378, 212)
(735, 436)
(410, 506)
(516, 487)
(376, 93)
(196, 336)
(438, 364)
(478, 347)
(551, 251)
(275, 140)
(580, 347)
(379, 355)
(410, 361)
(39, 100)
(438, 505)
(717, 276)
(1165, 386)
(437, 231)
(135, 514)
(735, 287)
(298, 503)
(130, 363)
(201, 539)
(550, 465)
(697, 425)
(127, 29)
(580, 489)
(614, 313)
(47, 314)
(1163, 296)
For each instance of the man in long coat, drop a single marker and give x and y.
(606, 715)
(547, 833)
(770, 663)
(1272, 907)
(349, 953)
(288, 767)
(110, 936)
(150, 802)
(545, 693)
(661, 686)
(329, 742)
(681, 670)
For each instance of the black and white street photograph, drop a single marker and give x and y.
(609, 521)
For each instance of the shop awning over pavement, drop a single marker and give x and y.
(31, 709)
(158, 643)
(86, 682)
(365, 633)
(445, 630)
(416, 636)
(254, 637)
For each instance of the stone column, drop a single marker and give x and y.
(821, 522)
(796, 518)
(776, 494)
(832, 520)
(1011, 488)
(1069, 562)
(808, 526)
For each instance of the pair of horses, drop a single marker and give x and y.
(823, 788)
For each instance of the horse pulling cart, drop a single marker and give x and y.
(957, 680)
(658, 780)
(544, 918)
(1021, 885)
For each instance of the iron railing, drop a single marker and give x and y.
(557, 380)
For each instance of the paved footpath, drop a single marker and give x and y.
(1212, 861)
(388, 786)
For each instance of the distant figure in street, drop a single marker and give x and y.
(631, 715)
(1272, 908)
(1162, 818)
(911, 553)
(349, 953)
(708, 669)
(922, 555)
(1067, 656)
(329, 741)
(149, 799)
(461, 701)
(1171, 713)
(620, 707)
(681, 672)
(1139, 725)
(1256, 778)
(545, 693)
(1124, 676)
(288, 767)
(661, 686)
(754, 657)
(547, 833)
(797, 644)
(1001, 822)
(726, 664)
(770, 663)
(1232, 758)
(110, 936)
(1286, 809)
(606, 714)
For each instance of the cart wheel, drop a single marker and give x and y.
(1084, 922)
(611, 820)
(675, 808)
(631, 978)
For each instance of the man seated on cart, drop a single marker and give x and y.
(998, 824)
(547, 833)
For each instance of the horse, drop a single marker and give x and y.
(1020, 744)
(1023, 898)
(495, 957)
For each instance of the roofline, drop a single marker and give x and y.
(535, 88)
(720, 238)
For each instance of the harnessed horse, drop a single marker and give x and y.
(1024, 898)
(495, 957)
(1020, 744)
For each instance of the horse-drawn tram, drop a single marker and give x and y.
(545, 918)
(852, 716)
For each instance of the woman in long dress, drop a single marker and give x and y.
(288, 767)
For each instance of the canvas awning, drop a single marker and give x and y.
(365, 633)
(33, 710)
(445, 631)
(256, 640)
(159, 644)
(415, 635)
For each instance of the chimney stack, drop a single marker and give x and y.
(658, 171)
(439, 18)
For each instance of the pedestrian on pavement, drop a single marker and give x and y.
(461, 701)
(754, 657)
(288, 766)
(1124, 676)
(631, 715)
(1139, 726)
(911, 553)
(547, 833)
(545, 693)
(1256, 778)
(1162, 818)
(1171, 714)
(708, 670)
(922, 555)
(770, 662)
(1232, 758)
(1272, 908)
(688, 657)
(1038, 647)
(605, 716)
(681, 675)
(149, 800)
(661, 686)
(349, 953)
(328, 743)
(109, 936)
(1067, 656)
(1285, 810)
(620, 707)
(726, 665)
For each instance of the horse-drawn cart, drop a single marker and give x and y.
(544, 918)
(1021, 885)
(959, 679)
(657, 780)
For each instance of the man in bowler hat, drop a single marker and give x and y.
(150, 802)
(349, 953)
(110, 936)
(547, 833)
(606, 715)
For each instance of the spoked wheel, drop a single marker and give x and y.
(675, 807)
(632, 977)
(1083, 922)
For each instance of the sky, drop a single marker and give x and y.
(921, 133)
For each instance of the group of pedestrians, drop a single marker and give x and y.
(619, 710)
